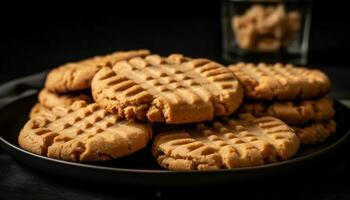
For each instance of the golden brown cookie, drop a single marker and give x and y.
(292, 112)
(83, 133)
(37, 109)
(280, 82)
(172, 90)
(316, 132)
(78, 75)
(51, 99)
(228, 143)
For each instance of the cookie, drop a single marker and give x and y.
(37, 109)
(316, 132)
(78, 75)
(280, 82)
(83, 132)
(51, 99)
(226, 144)
(174, 89)
(292, 112)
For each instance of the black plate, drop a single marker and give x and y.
(142, 169)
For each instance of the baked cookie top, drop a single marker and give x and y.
(292, 112)
(78, 75)
(174, 89)
(51, 99)
(82, 132)
(228, 143)
(316, 132)
(280, 82)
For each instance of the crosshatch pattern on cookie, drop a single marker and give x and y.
(229, 143)
(82, 133)
(282, 82)
(174, 89)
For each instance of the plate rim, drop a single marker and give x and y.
(165, 171)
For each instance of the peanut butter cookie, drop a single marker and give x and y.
(174, 90)
(51, 99)
(292, 112)
(229, 143)
(280, 82)
(316, 132)
(83, 132)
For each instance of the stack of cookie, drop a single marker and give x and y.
(105, 107)
(295, 95)
(66, 123)
(72, 81)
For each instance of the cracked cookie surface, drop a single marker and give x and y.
(280, 82)
(173, 90)
(292, 112)
(82, 132)
(226, 144)
(78, 75)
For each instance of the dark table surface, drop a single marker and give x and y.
(33, 44)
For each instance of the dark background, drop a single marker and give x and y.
(33, 40)
(38, 39)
